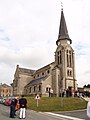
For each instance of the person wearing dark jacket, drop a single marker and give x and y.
(23, 107)
(15, 104)
(12, 108)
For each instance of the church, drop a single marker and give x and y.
(53, 78)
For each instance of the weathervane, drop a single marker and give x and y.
(61, 6)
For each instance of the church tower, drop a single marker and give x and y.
(64, 59)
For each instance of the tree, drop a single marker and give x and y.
(86, 86)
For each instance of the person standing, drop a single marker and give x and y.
(12, 108)
(23, 107)
(16, 104)
(72, 92)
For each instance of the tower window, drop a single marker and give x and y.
(69, 58)
(67, 61)
(69, 73)
(59, 57)
(69, 52)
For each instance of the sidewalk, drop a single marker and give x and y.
(86, 98)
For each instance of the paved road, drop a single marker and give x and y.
(32, 115)
(78, 113)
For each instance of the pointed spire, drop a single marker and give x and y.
(63, 32)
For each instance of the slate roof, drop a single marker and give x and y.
(36, 81)
(63, 32)
(4, 85)
(44, 67)
(24, 70)
(63, 27)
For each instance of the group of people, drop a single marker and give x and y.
(22, 105)
(18, 104)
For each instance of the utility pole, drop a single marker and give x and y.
(61, 92)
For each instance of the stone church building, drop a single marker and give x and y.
(54, 77)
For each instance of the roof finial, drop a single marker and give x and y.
(61, 6)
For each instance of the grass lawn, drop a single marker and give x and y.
(46, 104)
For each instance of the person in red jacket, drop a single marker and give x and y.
(23, 107)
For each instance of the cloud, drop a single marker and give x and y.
(29, 31)
(3, 35)
(31, 58)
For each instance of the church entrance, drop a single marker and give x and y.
(70, 90)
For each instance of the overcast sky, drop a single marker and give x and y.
(29, 30)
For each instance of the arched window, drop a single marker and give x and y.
(42, 73)
(69, 58)
(70, 73)
(30, 90)
(59, 57)
(48, 87)
(39, 88)
(67, 72)
(34, 88)
(48, 71)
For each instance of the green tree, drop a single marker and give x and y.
(87, 86)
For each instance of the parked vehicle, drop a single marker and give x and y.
(3, 100)
(8, 101)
